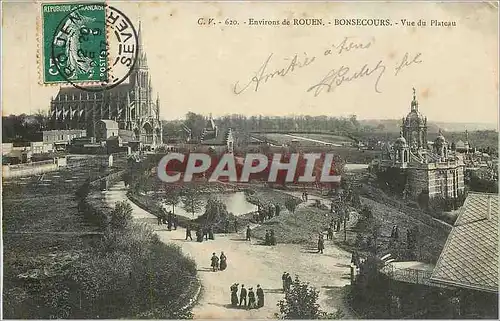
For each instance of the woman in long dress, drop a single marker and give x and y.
(223, 261)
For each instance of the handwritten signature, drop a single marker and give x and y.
(336, 77)
(262, 76)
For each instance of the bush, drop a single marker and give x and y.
(121, 216)
(301, 302)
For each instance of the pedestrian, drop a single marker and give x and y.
(223, 261)
(243, 295)
(305, 196)
(277, 209)
(272, 238)
(199, 235)
(260, 296)
(159, 219)
(236, 225)
(321, 244)
(226, 226)
(175, 221)
(211, 233)
(396, 232)
(330, 233)
(169, 221)
(284, 279)
(215, 262)
(288, 281)
(188, 232)
(205, 232)
(267, 238)
(248, 234)
(251, 299)
(234, 294)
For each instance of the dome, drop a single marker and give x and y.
(400, 141)
(414, 116)
(440, 139)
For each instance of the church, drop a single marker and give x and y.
(430, 167)
(130, 105)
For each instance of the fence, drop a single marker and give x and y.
(28, 169)
(408, 275)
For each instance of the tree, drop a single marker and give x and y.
(301, 302)
(121, 216)
(172, 196)
(192, 202)
(291, 204)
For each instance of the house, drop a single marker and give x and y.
(469, 260)
(215, 139)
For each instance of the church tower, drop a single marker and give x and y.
(414, 127)
(140, 81)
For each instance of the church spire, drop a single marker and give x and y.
(141, 55)
(414, 103)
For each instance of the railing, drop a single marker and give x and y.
(407, 275)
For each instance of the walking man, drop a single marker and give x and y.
(248, 234)
(260, 296)
(243, 295)
(321, 244)
(215, 262)
(188, 232)
(236, 225)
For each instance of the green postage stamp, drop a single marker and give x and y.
(74, 44)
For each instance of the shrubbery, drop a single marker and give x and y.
(301, 302)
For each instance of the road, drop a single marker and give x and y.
(251, 264)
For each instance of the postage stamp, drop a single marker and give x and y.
(92, 46)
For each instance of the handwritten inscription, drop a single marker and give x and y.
(335, 77)
(262, 75)
(407, 62)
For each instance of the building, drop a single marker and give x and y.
(429, 168)
(469, 260)
(130, 105)
(220, 140)
(62, 136)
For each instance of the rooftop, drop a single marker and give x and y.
(470, 256)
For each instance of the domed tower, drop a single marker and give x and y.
(414, 127)
(441, 146)
(401, 150)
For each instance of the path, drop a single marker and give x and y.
(314, 140)
(251, 264)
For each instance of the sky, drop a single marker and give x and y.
(195, 68)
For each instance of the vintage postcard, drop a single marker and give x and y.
(250, 160)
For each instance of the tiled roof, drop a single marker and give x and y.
(470, 256)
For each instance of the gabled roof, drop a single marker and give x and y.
(109, 123)
(470, 256)
(220, 139)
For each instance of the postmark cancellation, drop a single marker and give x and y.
(92, 46)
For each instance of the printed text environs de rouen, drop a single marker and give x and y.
(336, 75)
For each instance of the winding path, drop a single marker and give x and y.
(251, 264)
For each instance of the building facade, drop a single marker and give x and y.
(219, 140)
(131, 105)
(429, 166)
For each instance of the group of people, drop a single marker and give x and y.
(168, 218)
(287, 281)
(244, 294)
(202, 232)
(305, 196)
(270, 238)
(218, 263)
(266, 212)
